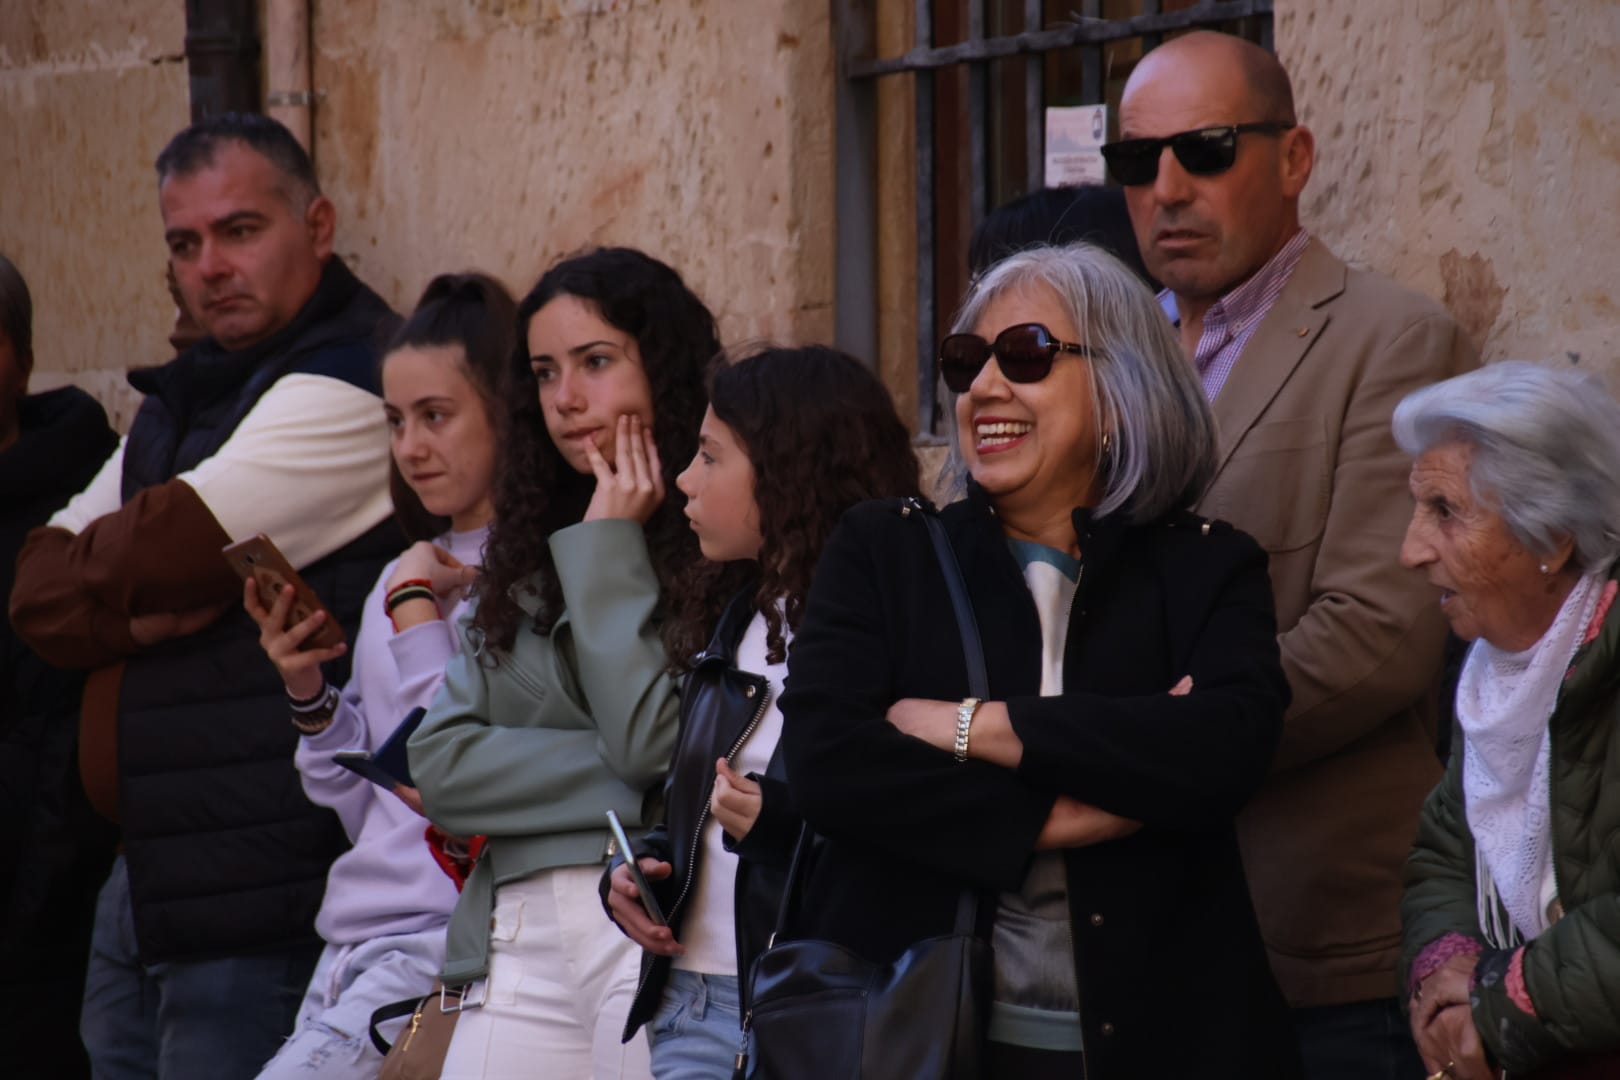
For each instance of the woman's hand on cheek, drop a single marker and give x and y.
(633, 488)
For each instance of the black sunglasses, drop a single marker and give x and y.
(1202, 152)
(1024, 354)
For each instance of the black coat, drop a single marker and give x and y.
(226, 854)
(720, 704)
(60, 849)
(1173, 978)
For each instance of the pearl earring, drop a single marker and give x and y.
(1545, 569)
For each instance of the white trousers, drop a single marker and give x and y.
(561, 978)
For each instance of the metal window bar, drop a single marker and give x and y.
(1073, 35)
(927, 381)
(1034, 103)
(1091, 69)
(1090, 32)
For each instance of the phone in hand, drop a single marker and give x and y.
(259, 559)
(388, 765)
(649, 904)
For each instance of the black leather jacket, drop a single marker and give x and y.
(720, 707)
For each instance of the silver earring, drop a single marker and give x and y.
(1545, 569)
(1105, 442)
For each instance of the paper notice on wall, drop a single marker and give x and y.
(1074, 138)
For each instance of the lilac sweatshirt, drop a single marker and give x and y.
(387, 883)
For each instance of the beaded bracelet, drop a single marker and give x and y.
(315, 717)
(406, 593)
(313, 729)
(409, 583)
(309, 704)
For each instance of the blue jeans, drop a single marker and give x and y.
(332, 1040)
(697, 1029)
(1363, 1040)
(221, 1018)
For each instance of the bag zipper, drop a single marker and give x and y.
(416, 1022)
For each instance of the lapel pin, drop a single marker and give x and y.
(1302, 331)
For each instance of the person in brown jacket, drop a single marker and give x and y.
(1304, 360)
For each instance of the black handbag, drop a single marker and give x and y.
(817, 1010)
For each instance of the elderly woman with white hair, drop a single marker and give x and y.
(1512, 909)
(1135, 701)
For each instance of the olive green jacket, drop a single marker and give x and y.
(1572, 971)
(532, 750)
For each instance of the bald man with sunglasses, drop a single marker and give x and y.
(1304, 360)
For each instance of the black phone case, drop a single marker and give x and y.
(388, 764)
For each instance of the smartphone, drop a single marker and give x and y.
(389, 764)
(648, 903)
(258, 558)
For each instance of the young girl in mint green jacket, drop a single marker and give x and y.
(562, 704)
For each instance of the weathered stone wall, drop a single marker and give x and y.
(494, 133)
(1468, 147)
(503, 133)
(89, 93)
(1471, 148)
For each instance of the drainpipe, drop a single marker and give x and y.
(222, 52)
(287, 68)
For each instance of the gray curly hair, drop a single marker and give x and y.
(1546, 451)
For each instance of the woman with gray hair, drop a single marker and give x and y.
(1511, 916)
(1136, 699)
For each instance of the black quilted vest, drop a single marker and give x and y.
(226, 855)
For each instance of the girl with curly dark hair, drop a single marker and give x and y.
(564, 702)
(792, 439)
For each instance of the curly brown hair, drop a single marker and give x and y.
(536, 492)
(822, 435)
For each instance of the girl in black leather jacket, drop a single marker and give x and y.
(792, 438)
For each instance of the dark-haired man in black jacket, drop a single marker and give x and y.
(51, 444)
(204, 935)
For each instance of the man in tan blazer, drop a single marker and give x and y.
(1304, 359)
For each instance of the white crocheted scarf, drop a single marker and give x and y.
(1504, 701)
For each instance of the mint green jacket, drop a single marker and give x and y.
(532, 750)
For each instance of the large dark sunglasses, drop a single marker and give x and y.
(1024, 353)
(1202, 152)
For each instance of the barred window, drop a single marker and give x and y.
(940, 119)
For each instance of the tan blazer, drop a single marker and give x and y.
(1308, 467)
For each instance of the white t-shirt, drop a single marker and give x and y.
(709, 932)
(1037, 996)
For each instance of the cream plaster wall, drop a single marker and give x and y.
(450, 133)
(1471, 148)
(89, 93)
(1468, 147)
(503, 133)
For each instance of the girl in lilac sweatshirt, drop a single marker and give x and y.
(387, 900)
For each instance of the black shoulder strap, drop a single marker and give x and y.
(392, 1011)
(956, 586)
